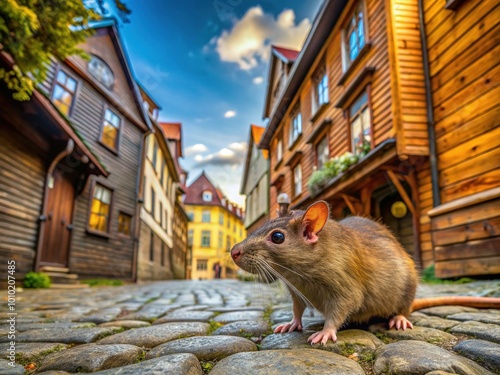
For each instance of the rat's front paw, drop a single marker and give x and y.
(295, 324)
(400, 322)
(323, 336)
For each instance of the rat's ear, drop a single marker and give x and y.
(314, 220)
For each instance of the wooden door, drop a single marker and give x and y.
(58, 225)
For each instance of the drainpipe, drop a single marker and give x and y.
(70, 146)
(436, 196)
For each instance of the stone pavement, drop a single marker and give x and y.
(225, 327)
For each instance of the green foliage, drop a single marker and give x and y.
(213, 326)
(207, 366)
(36, 280)
(331, 169)
(103, 282)
(429, 277)
(34, 31)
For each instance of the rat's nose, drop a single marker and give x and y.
(235, 253)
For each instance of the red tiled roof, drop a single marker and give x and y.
(194, 196)
(257, 132)
(289, 54)
(172, 130)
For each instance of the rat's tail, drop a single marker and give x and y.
(481, 302)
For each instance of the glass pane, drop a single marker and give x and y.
(98, 192)
(365, 117)
(356, 134)
(115, 120)
(106, 196)
(353, 46)
(61, 77)
(109, 135)
(96, 206)
(93, 221)
(107, 115)
(361, 33)
(104, 209)
(71, 84)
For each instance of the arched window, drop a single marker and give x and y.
(101, 72)
(207, 196)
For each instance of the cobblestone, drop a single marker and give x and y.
(180, 327)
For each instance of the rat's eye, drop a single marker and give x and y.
(277, 237)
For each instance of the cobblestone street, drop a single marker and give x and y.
(224, 327)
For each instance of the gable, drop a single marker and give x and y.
(123, 92)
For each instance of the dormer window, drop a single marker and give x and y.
(101, 72)
(207, 196)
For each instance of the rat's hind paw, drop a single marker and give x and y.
(295, 324)
(400, 322)
(323, 336)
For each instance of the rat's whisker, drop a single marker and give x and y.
(288, 269)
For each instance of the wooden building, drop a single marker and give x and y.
(215, 226)
(181, 264)
(360, 91)
(255, 182)
(44, 168)
(96, 232)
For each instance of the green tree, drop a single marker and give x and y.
(33, 31)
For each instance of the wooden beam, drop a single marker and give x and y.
(353, 203)
(401, 191)
(366, 200)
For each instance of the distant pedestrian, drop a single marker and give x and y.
(217, 269)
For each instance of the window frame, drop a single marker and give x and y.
(292, 137)
(110, 87)
(203, 217)
(75, 93)
(279, 150)
(200, 262)
(203, 233)
(152, 208)
(207, 192)
(326, 139)
(121, 212)
(318, 78)
(294, 175)
(345, 50)
(90, 230)
(365, 106)
(119, 133)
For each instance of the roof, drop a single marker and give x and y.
(254, 138)
(286, 54)
(194, 196)
(322, 26)
(172, 130)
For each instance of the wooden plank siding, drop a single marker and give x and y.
(463, 48)
(21, 198)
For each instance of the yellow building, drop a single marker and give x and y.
(215, 226)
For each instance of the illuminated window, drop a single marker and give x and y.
(297, 181)
(100, 209)
(101, 72)
(360, 122)
(110, 129)
(124, 223)
(64, 92)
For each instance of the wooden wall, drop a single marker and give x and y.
(22, 181)
(464, 67)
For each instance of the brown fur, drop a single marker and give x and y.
(356, 270)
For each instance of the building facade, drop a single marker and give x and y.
(350, 123)
(255, 182)
(215, 226)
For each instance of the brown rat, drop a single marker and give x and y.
(350, 270)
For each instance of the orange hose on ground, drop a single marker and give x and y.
(481, 302)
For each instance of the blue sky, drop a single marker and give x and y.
(205, 62)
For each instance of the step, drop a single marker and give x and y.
(63, 278)
(54, 269)
(69, 286)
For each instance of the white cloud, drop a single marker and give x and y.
(195, 149)
(247, 43)
(258, 80)
(233, 155)
(229, 114)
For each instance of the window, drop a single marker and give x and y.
(360, 122)
(124, 223)
(205, 216)
(100, 209)
(279, 150)
(207, 196)
(162, 174)
(295, 127)
(228, 243)
(221, 219)
(64, 92)
(297, 181)
(155, 154)
(320, 90)
(229, 222)
(202, 265)
(161, 214)
(205, 238)
(101, 71)
(190, 237)
(354, 36)
(168, 221)
(110, 129)
(221, 240)
(162, 260)
(153, 203)
(190, 215)
(152, 247)
(322, 152)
